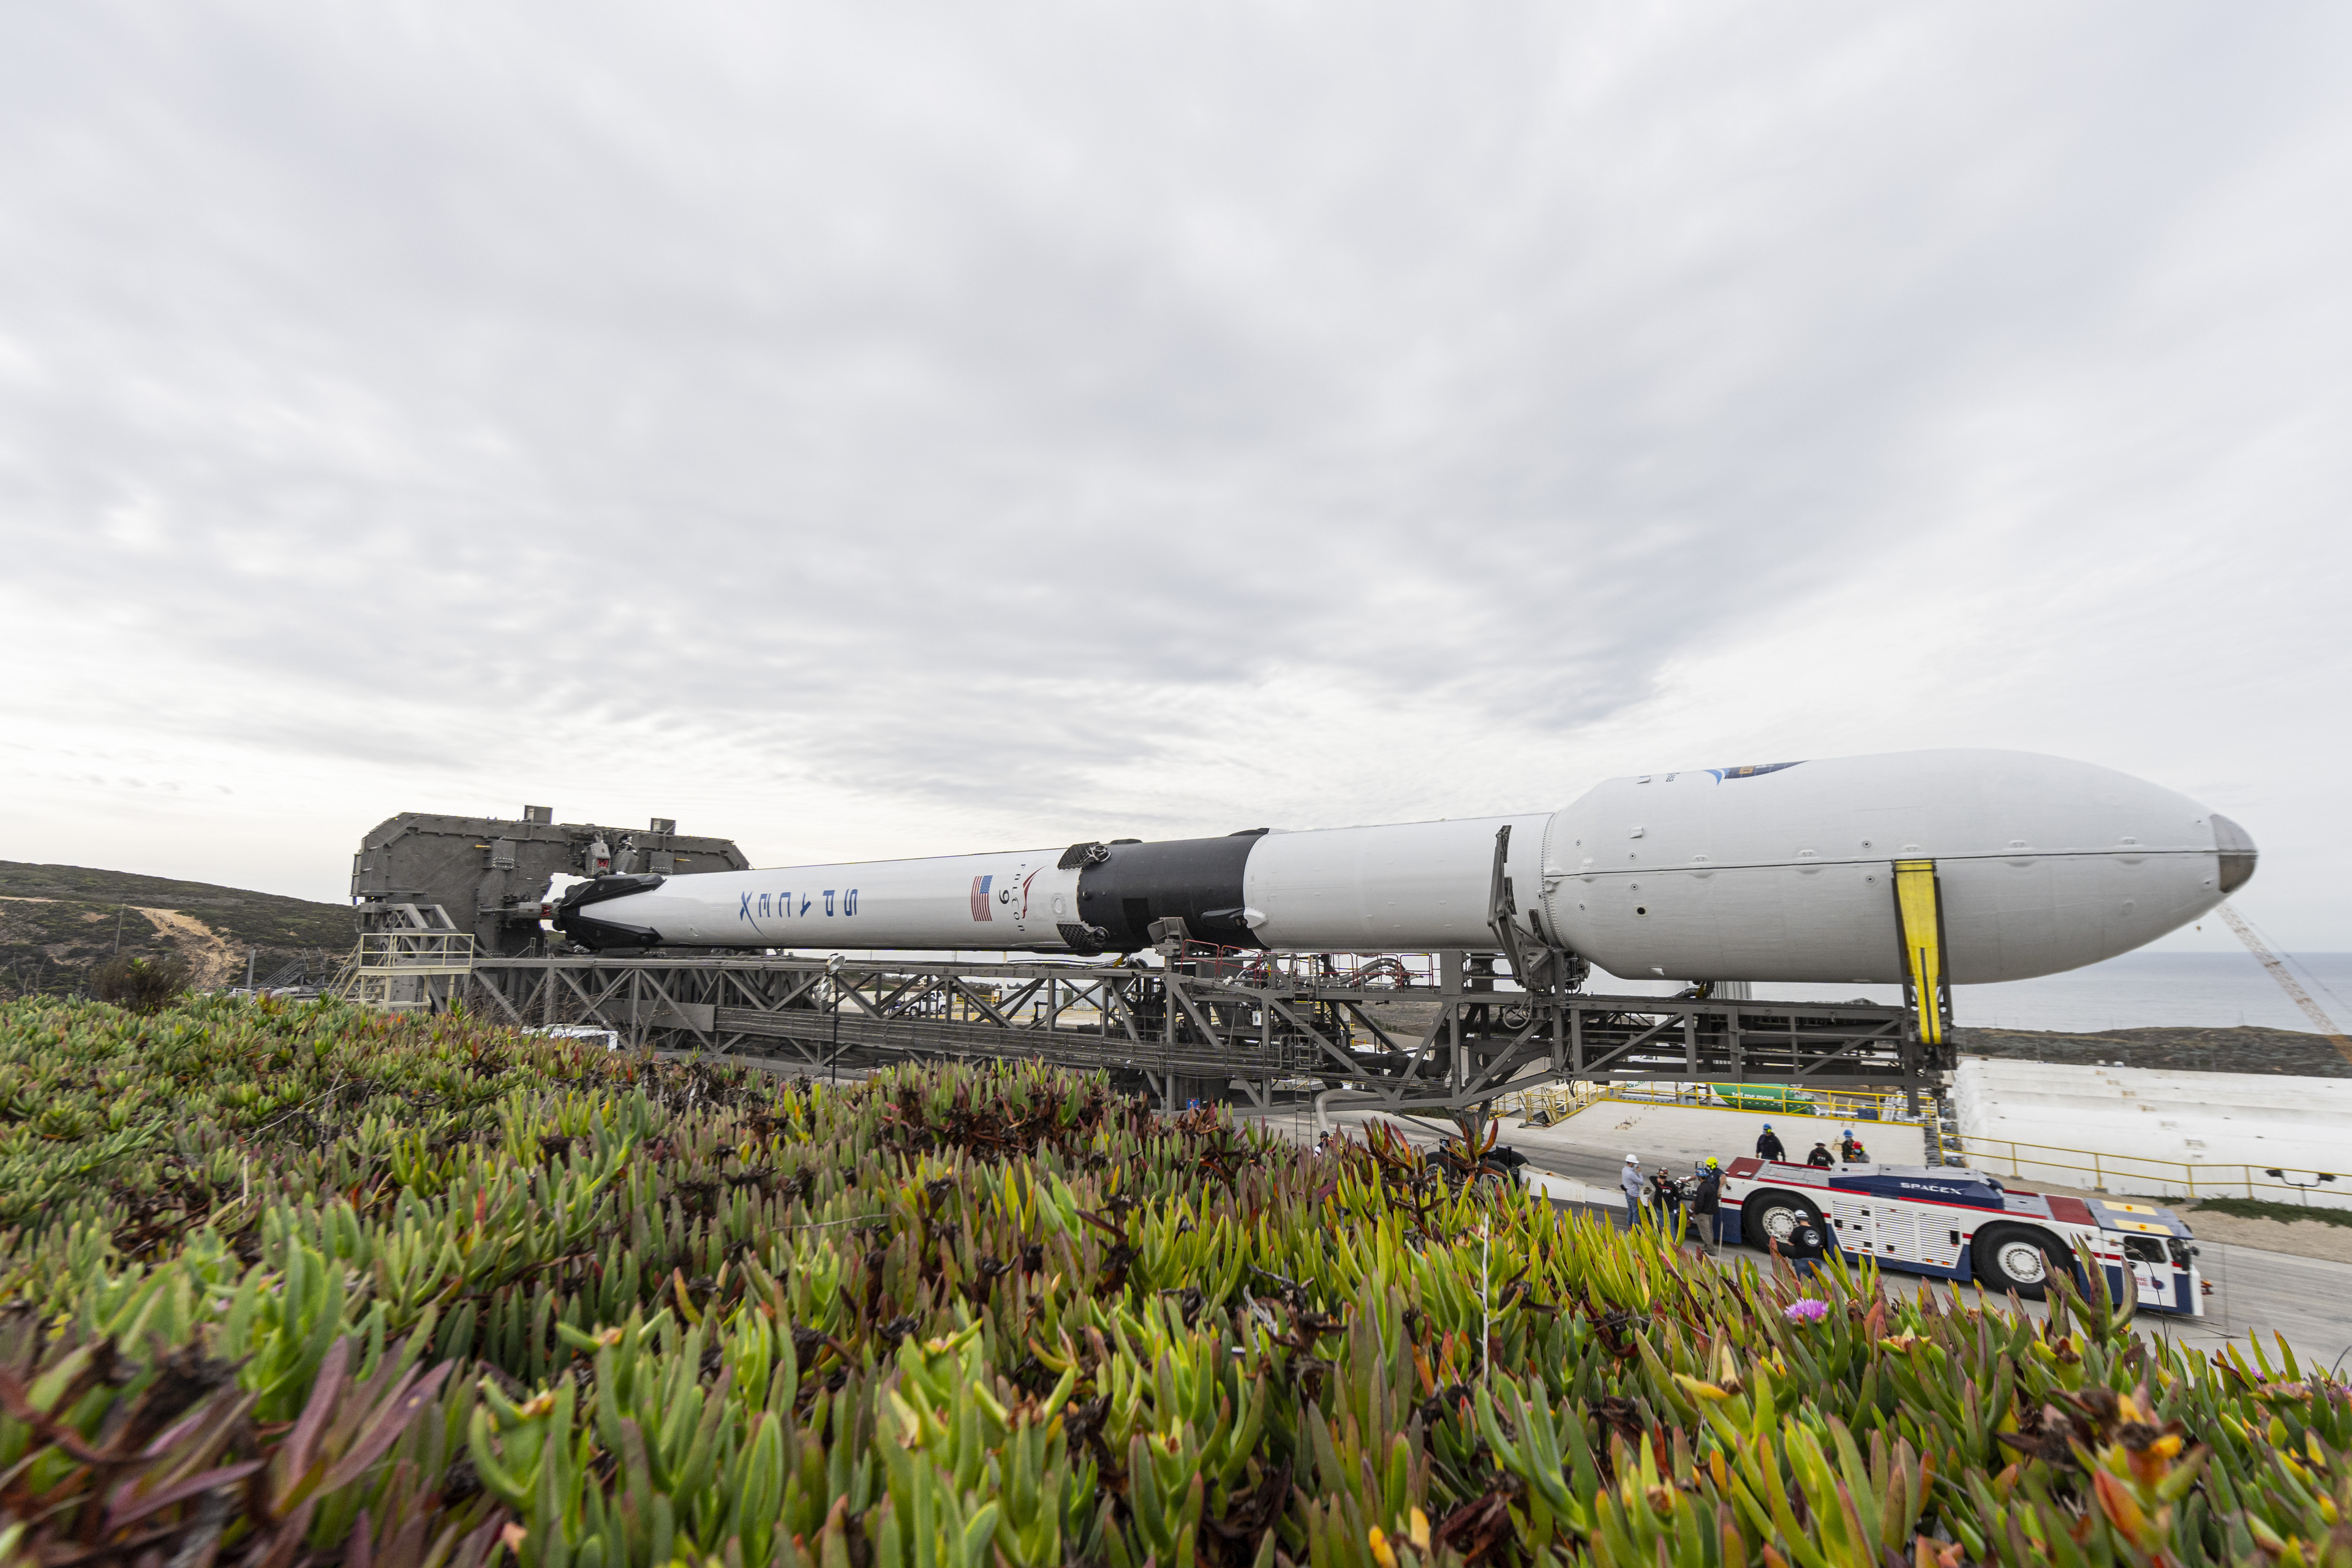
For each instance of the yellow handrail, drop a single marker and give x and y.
(2177, 1178)
(406, 970)
(1564, 1099)
(416, 951)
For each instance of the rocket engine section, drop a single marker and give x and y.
(1781, 871)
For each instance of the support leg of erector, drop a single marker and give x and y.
(1918, 909)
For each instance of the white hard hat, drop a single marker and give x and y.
(1633, 1159)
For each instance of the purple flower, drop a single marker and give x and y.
(1808, 1310)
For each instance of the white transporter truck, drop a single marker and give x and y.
(1963, 1224)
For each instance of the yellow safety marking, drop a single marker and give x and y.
(2127, 1208)
(1923, 943)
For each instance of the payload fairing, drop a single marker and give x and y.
(1783, 872)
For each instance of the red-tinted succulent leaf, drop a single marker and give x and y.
(476, 1547)
(180, 1431)
(296, 1454)
(17, 1401)
(386, 1430)
(288, 1537)
(128, 1508)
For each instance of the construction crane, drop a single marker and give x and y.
(2287, 983)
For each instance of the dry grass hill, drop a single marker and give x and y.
(56, 921)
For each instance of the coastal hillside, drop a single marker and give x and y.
(58, 921)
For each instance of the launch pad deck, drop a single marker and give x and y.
(1194, 1027)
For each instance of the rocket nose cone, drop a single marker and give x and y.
(2236, 848)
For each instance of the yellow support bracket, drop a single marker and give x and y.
(1919, 910)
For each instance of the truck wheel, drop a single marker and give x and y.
(1774, 1216)
(2017, 1257)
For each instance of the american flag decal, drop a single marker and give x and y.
(980, 911)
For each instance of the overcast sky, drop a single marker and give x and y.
(884, 430)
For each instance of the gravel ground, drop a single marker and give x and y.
(2246, 1049)
(2304, 1238)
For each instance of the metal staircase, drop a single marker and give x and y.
(418, 965)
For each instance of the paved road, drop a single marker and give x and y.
(2308, 1299)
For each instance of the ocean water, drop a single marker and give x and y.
(2199, 990)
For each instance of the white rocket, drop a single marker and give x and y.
(1783, 871)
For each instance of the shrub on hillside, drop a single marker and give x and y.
(140, 984)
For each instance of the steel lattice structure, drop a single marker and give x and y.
(1195, 1025)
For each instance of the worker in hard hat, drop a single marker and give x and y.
(1769, 1146)
(1665, 1199)
(1629, 1182)
(1706, 1201)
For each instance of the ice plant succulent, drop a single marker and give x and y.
(291, 1283)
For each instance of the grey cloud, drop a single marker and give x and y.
(865, 387)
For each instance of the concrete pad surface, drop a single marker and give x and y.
(2156, 1132)
(1680, 1135)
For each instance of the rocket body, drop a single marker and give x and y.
(1777, 872)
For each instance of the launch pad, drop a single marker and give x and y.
(1207, 1022)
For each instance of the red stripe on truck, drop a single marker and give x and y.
(2074, 1211)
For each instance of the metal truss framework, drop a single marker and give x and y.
(412, 969)
(1196, 1025)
